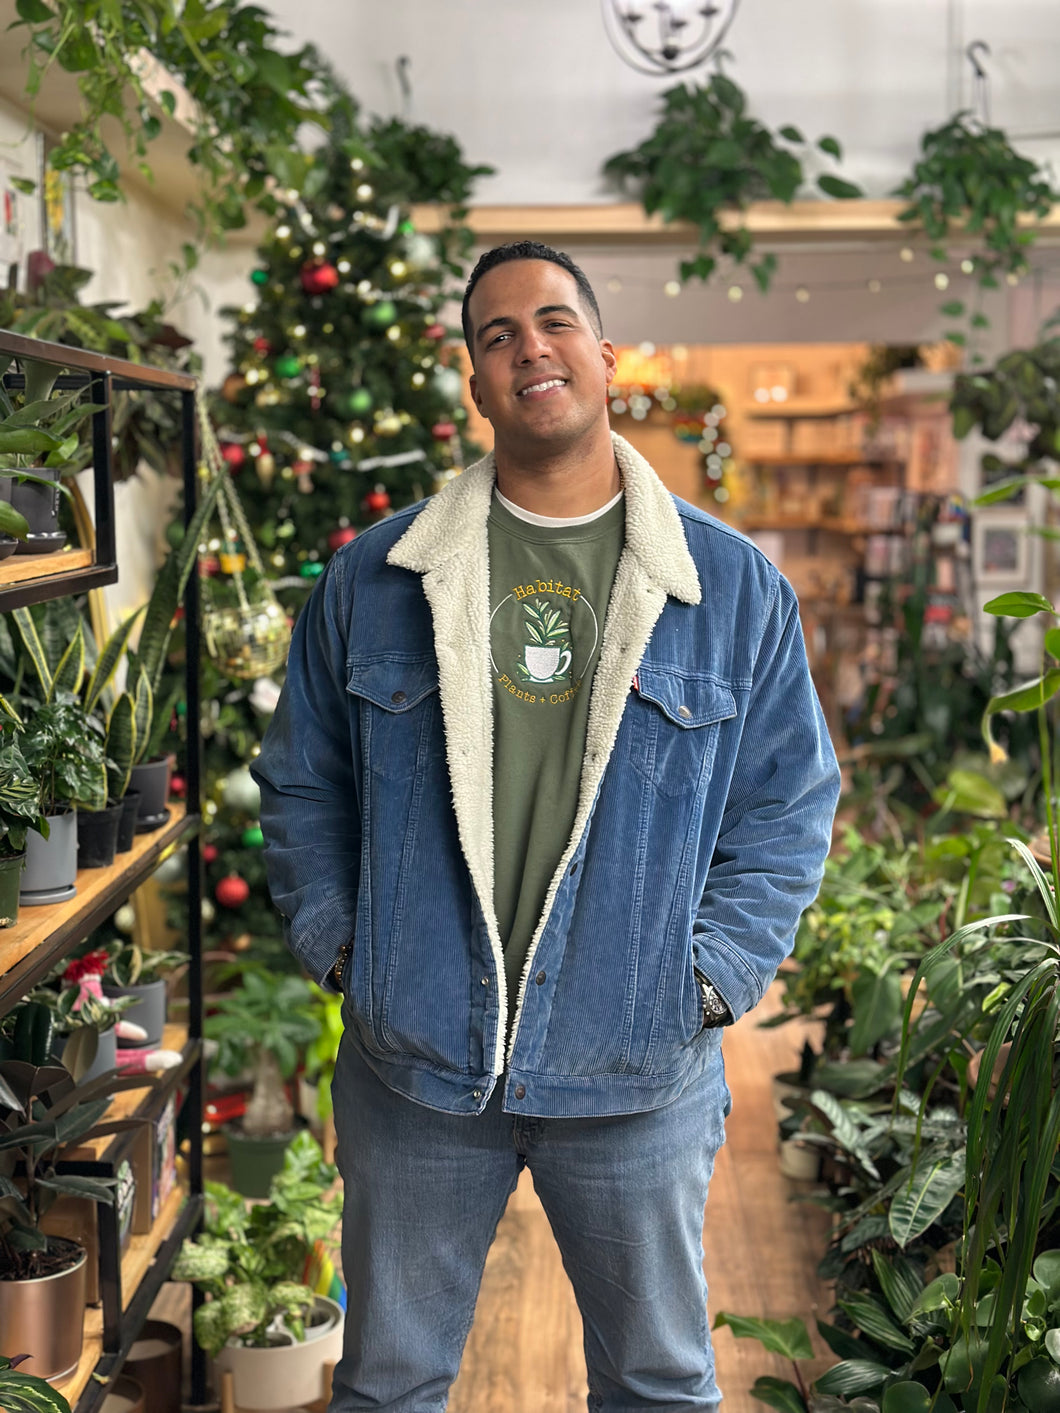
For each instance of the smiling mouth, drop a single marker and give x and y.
(545, 386)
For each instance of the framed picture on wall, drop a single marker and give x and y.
(999, 548)
(58, 223)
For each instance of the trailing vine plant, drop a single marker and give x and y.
(969, 182)
(249, 98)
(709, 158)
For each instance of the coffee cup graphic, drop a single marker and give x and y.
(546, 664)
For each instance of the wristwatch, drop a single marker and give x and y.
(334, 976)
(715, 1010)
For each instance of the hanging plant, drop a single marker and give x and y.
(250, 98)
(707, 159)
(970, 182)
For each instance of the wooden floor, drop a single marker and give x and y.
(524, 1354)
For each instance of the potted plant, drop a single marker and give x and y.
(42, 425)
(262, 1318)
(140, 975)
(26, 1393)
(19, 812)
(42, 1278)
(63, 747)
(260, 1026)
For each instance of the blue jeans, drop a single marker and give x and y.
(425, 1191)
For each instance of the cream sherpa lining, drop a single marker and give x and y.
(448, 544)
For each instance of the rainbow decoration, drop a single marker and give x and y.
(321, 1276)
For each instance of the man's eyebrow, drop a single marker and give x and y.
(504, 319)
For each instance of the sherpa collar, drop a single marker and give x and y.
(451, 523)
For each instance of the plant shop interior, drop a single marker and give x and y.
(825, 243)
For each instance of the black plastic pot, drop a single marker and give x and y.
(97, 836)
(40, 506)
(8, 543)
(151, 780)
(127, 824)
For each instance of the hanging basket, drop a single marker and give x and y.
(245, 628)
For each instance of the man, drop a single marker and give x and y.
(545, 794)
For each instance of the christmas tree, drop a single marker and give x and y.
(340, 407)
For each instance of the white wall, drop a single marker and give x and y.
(536, 90)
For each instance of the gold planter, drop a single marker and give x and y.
(44, 1318)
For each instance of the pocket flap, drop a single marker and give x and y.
(686, 701)
(392, 683)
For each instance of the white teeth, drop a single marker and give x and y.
(540, 387)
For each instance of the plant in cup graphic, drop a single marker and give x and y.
(546, 658)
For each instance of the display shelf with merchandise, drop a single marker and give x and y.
(44, 935)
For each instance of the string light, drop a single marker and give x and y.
(942, 280)
(906, 254)
(968, 267)
(735, 293)
(802, 294)
(319, 248)
(283, 232)
(672, 288)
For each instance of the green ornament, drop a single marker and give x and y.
(381, 315)
(175, 534)
(338, 457)
(253, 838)
(288, 365)
(359, 403)
(181, 708)
(259, 277)
(311, 569)
(406, 228)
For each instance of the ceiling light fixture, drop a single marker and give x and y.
(683, 35)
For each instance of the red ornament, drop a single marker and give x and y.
(301, 467)
(340, 537)
(443, 430)
(262, 345)
(209, 853)
(177, 786)
(91, 964)
(434, 331)
(233, 455)
(318, 277)
(232, 891)
(209, 566)
(377, 501)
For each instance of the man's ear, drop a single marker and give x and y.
(472, 383)
(607, 352)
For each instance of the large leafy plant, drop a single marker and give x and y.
(250, 1261)
(26, 1393)
(261, 1024)
(707, 160)
(250, 98)
(43, 1114)
(63, 747)
(19, 788)
(969, 182)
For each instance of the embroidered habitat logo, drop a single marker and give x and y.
(535, 633)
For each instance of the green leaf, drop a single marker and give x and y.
(838, 188)
(941, 1294)
(1029, 697)
(831, 146)
(877, 1004)
(853, 1376)
(788, 1338)
(791, 134)
(1020, 603)
(108, 660)
(900, 1280)
(26, 1393)
(34, 12)
(972, 793)
(870, 1316)
(907, 1397)
(953, 309)
(778, 1393)
(931, 1190)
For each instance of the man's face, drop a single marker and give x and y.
(541, 373)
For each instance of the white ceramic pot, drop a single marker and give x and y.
(286, 1376)
(799, 1160)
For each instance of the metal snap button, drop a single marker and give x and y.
(485, 981)
(541, 978)
(398, 698)
(520, 1091)
(476, 1094)
(684, 713)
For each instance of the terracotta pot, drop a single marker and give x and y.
(156, 1362)
(44, 1317)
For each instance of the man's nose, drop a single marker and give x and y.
(534, 344)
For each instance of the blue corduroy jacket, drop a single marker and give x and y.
(708, 789)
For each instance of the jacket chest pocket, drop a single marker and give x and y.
(398, 714)
(674, 726)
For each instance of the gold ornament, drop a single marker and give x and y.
(388, 424)
(266, 467)
(247, 642)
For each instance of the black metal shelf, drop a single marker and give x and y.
(103, 375)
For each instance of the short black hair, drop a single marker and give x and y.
(529, 250)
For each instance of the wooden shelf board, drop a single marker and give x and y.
(37, 927)
(836, 527)
(796, 407)
(613, 222)
(24, 568)
(135, 1264)
(822, 458)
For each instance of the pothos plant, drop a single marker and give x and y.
(970, 182)
(249, 96)
(707, 160)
